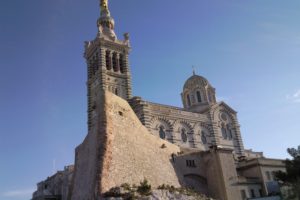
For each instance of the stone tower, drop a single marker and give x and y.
(107, 61)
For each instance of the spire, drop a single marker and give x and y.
(106, 23)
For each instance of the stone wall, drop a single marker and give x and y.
(222, 175)
(89, 155)
(134, 154)
(120, 150)
(58, 186)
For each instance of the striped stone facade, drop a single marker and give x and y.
(203, 130)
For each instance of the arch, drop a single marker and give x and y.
(198, 94)
(203, 138)
(229, 131)
(196, 182)
(121, 63)
(202, 130)
(157, 125)
(185, 138)
(183, 133)
(226, 124)
(224, 131)
(162, 133)
(107, 60)
(115, 62)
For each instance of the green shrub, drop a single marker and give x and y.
(126, 186)
(144, 188)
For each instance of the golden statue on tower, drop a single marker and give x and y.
(104, 4)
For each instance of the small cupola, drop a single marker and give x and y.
(197, 94)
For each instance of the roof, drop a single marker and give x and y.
(196, 79)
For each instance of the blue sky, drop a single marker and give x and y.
(248, 50)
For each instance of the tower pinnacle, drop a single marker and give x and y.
(106, 23)
(104, 7)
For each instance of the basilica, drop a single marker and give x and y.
(198, 145)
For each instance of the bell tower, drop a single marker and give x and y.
(107, 61)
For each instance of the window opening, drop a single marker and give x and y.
(224, 133)
(107, 59)
(162, 133)
(252, 193)
(199, 97)
(190, 163)
(183, 135)
(121, 61)
(114, 58)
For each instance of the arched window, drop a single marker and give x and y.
(188, 100)
(107, 59)
(162, 133)
(203, 137)
(121, 61)
(224, 132)
(229, 130)
(183, 135)
(199, 97)
(116, 91)
(115, 63)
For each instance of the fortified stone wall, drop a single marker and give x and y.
(121, 150)
(88, 155)
(134, 154)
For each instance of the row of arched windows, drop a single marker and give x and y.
(227, 132)
(94, 64)
(114, 61)
(191, 99)
(183, 134)
(114, 90)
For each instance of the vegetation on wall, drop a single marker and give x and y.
(144, 189)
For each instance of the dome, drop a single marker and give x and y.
(195, 80)
(197, 93)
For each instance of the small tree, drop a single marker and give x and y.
(292, 174)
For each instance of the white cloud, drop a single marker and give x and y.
(18, 193)
(294, 97)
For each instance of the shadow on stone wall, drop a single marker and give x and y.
(190, 171)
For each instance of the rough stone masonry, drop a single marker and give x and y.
(120, 150)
